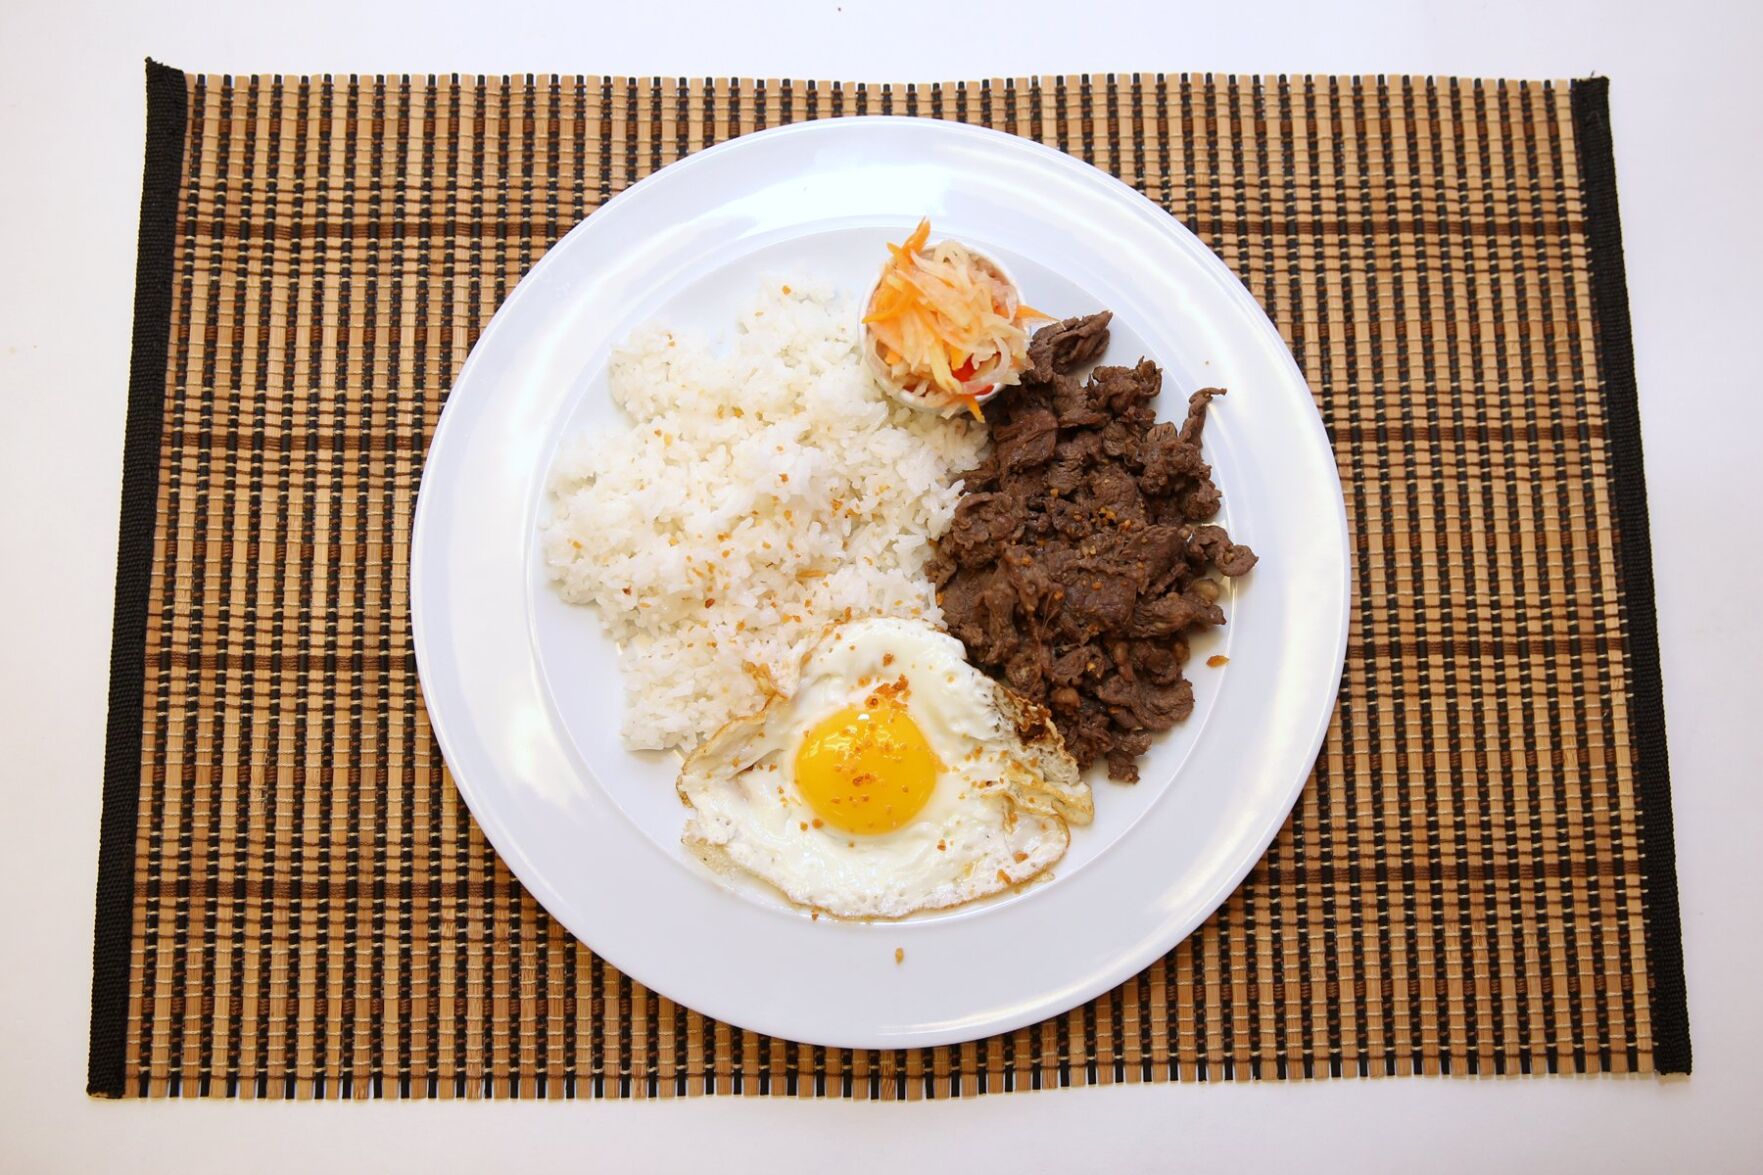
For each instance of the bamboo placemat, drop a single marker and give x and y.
(293, 900)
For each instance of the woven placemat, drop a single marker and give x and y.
(293, 900)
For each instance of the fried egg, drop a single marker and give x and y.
(894, 778)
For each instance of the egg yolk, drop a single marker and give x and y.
(867, 768)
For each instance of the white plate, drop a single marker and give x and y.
(523, 690)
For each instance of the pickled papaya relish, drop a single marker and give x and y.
(946, 325)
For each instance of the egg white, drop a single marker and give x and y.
(999, 811)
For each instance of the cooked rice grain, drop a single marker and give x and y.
(759, 495)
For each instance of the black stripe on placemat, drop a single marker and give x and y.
(114, 922)
(1664, 930)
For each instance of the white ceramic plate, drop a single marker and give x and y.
(523, 690)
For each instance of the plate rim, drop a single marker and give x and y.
(503, 838)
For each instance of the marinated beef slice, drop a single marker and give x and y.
(1079, 555)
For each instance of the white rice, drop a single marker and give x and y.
(760, 495)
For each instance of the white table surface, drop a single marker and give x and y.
(1688, 130)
